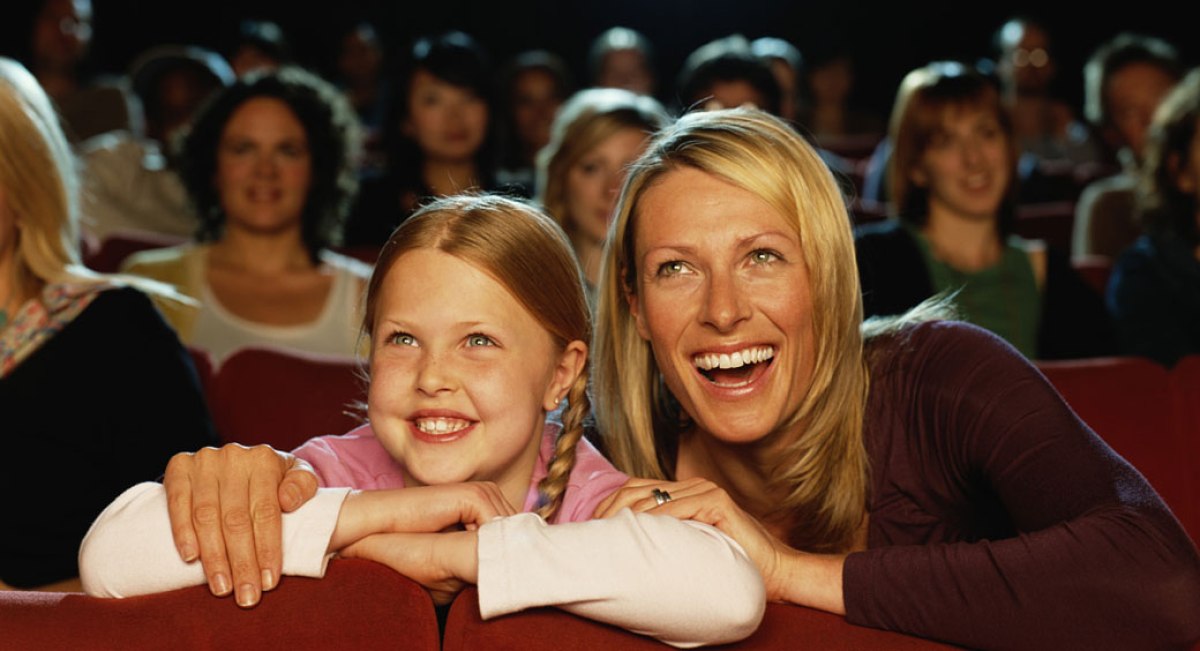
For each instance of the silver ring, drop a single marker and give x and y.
(660, 496)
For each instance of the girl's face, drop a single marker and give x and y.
(967, 165)
(461, 374)
(723, 298)
(447, 122)
(595, 179)
(264, 168)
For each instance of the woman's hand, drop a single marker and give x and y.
(226, 506)
(789, 575)
(444, 563)
(421, 509)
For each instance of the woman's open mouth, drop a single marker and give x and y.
(737, 369)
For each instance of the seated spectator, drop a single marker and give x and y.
(258, 45)
(621, 57)
(787, 64)
(130, 180)
(1154, 291)
(596, 136)
(269, 165)
(827, 111)
(725, 73)
(953, 179)
(96, 391)
(532, 88)
(1047, 130)
(438, 137)
(1125, 80)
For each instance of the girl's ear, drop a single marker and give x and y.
(570, 365)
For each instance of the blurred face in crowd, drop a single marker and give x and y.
(628, 69)
(966, 166)
(1025, 61)
(448, 122)
(1134, 92)
(594, 181)
(62, 32)
(535, 100)
(264, 167)
(731, 93)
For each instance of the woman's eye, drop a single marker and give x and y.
(765, 256)
(293, 150)
(403, 339)
(671, 268)
(480, 340)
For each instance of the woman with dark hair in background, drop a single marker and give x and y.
(437, 138)
(532, 88)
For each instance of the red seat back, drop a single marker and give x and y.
(283, 398)
(114, 248)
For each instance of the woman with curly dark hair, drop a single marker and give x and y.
(269, 166)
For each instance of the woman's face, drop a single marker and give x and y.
(966, 166)
(595, 179)
(723, 298)
(461, 374)
(447, 122)
(264, 167)
(534, 102)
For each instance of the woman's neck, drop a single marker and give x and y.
(445, 178)
(963, 243)
(590, 253)
(259, 254)
(13, 293)
(736, 468)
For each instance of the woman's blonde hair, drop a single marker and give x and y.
(587, 119)
(40, 183)
(822, 473)
(527, 253)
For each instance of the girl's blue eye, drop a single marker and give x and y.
(480, 340)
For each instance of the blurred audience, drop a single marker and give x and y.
(437, 137)
(1154, 291)
(360, 69)
(598, 133)
(621, 57)
(130, 177)
(827, 110)
(1125, 79)
(269, 166)
(258, 45)
(953, 184)
(787, 64)
(91, 376)
(533, 85)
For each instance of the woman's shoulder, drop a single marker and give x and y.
(936, 342)
(166, 264)
(345, 264)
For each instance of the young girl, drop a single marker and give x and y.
(477, 321)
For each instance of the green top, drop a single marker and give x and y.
(1003, 298)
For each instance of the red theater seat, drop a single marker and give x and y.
(550, 629)
(112, 250)
(358, 605)
(283, 398)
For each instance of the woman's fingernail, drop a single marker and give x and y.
(220, 585)
(246, 596)
(188, 552)
(268, 579)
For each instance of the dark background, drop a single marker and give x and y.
(887, 38)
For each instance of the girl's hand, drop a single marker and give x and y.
(444, 563)
(788, 574)
(225, 506)
(421, 509)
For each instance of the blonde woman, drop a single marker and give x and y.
(595, 136)
(96, 391)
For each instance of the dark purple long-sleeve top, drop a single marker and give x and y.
(998, 519)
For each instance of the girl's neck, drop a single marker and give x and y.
(590, 253)
(963, 243)
(445, 178)
(260, 255)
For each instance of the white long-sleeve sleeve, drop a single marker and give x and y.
(129, 550)
(682, 582)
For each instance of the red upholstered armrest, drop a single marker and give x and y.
(550, 629)
(358, 605)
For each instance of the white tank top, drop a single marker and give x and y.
(334, 332)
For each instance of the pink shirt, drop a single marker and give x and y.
(358, 460)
